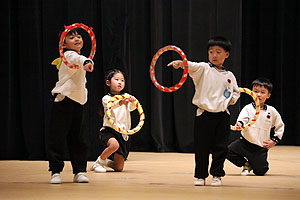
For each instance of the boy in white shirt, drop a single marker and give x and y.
(250, 151)
(65, 125)
(215, 89)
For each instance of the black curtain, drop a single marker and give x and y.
(129, 32)
(270, 48)
(188, 25)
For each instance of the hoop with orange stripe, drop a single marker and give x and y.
(110, 103)
(89, 30)
(152, 68)
(257, 110)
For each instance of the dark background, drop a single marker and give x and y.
(265, 37)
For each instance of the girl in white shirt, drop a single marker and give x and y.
(115, 145)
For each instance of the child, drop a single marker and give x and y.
(116, 145)
(215, 89)
(250, 151)
(70, 95)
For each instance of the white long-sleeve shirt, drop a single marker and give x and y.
(260, 130)
(213, 87)
(119, 114)
(72, 82)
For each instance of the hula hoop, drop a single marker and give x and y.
(115, 98)
(256, 100)
(152, 68)
(63, 36)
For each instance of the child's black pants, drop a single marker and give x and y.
(65, 128)
(211, 132)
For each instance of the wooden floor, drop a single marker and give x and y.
(154, 176)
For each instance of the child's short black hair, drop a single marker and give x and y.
(71, 32)
(219, 41)
(263, 82)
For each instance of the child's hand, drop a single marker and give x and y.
(88, 67)
(131, 98)
(126, 101)
(176, 64)
(269, 144)
(238, 125)
(230, 102)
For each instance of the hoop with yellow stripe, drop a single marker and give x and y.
(89, 30)
(257, 110)
(152, 68)
(110, 103)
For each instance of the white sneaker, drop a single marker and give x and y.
(103, 162)
(199, 182)
(245, 172)
(55, 179)
(216, 181)
(80, 178)
(97, 168)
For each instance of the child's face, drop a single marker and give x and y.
(262, 94)
(74, 42)
(217, 55)
(117, 83)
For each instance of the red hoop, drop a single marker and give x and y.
(152, 68)
(63, 36)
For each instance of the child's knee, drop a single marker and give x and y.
(113, 145)
(119, 168)
(261, 172)
(118, 162)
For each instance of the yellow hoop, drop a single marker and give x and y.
(115, 98)
(256, 100)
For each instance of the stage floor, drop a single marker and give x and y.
(155, 176)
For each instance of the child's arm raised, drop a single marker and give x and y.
(75, 59)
